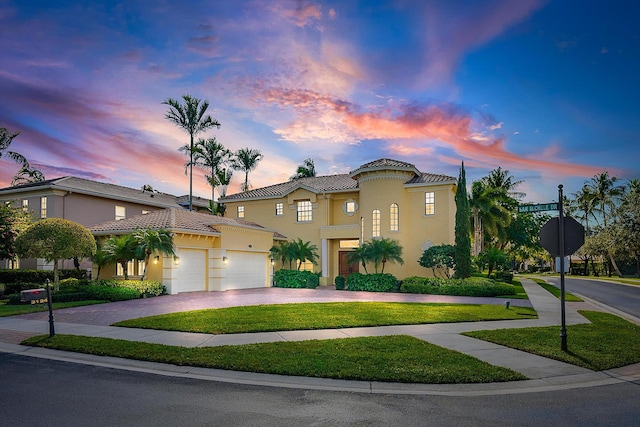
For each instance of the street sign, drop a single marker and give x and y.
(538, 208)
(573, 236)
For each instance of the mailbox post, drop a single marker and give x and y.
(52, 331)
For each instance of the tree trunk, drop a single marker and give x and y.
(56, 276)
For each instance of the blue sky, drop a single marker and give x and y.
(545, 89)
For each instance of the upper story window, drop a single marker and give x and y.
(376, 223)
(144, 212)
(394, 217)
(305, 211)
(25, 205)
(279, 209)
(430, 203)
(121, 213)
(240, 211)
(43, 207)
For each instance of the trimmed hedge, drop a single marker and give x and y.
(38, 276)
(340, 282)
(503, 276)
(111, 293)
(295, 279)
(377, 282)
(473, 286)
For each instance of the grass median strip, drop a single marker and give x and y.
(568, 296)
(397, 358)
(304, 316)
(608, 342)
(15, 309)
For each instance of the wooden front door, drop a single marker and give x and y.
(345, 267)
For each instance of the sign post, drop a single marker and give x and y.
(563, 328)
(52, 331)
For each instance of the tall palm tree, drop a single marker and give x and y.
(149, 241)
(190, 116)
(505, 185)
(385, 250)
(121, 250)
(27, 175)
(583, 205)
(246, 160)
(6, 138)
(210, 155)
(489, 218)
(306, 170)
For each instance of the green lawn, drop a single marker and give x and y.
(608, 342)
(396, 358)
(287, 317)
(12, 309)
(568, 296)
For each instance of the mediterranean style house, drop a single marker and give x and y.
(384, 198)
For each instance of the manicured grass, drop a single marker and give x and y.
(568, 296)
(396, 358)
(12, 309)
(289, 317)
(608, 342)
(520, 292)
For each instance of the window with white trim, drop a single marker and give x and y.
(43, 207)
(25, 205)
(394, 217)
(279, 209)
(305, 211)
(240, 211)
(376, 223)
(429, 203)
(121, 213)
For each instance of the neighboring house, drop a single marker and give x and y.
(83, 201)
(213, 253)
(383, 198)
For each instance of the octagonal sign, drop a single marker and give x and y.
(573, 236)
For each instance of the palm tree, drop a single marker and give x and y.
(149, 241)
(100, 258)
(500, 180)
(210, 155)
(190, 116)
(489, 218)
(5, 141)
(361, 255)
(246, 160)
(304, 251)
(27, 175)
(306, 170)
(385, 250)
(285, 252)
(120, 250)
(223, 179)
(583, 205)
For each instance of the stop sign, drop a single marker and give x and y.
(573, 236)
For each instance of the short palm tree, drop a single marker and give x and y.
(210, 155)
(385, 250)
(360, 255)
(306, 170)
(246, 160)
(121, 250)
(304, 251)
(190, 116)
(149, 241)
(283, 251)
(100, 258)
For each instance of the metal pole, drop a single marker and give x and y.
(563, 330)
(52, 331)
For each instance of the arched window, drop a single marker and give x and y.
(376, 223)
(394, 217)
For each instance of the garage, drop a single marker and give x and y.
(245, 270)
(191, 271)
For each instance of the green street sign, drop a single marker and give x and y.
(538, 208)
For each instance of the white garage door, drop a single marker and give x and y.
(246, 270)
(191, 273)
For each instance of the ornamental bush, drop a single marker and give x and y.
(37, 276)
(340, 282)
(472, 286)
(110, 293)
(295, 279)
(378, 282)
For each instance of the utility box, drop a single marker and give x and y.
(34, 296)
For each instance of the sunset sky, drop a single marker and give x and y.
(548, 90)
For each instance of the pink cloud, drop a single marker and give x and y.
(303, 14)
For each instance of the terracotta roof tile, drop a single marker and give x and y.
(318, 184)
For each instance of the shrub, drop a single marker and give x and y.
(378, 282)
(37, 276)
(340, 282)
(145, 288)
(473, 286)
(503, 276)
(15, 288)
(111, 293)
(295, 279)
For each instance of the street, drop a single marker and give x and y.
(47, 392)
(621, 297)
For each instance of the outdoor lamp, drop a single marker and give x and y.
(156, 259)
(225, 260)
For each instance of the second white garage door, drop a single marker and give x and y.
(246, 270)
(191, 273)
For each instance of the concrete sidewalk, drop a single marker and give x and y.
(544, 373)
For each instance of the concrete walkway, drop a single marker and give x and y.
(544, 373)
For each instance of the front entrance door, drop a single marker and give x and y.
(345, 267)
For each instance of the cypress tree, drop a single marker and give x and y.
(463, 228)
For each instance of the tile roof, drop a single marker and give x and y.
(317, 184)
(99, 189)
(173, 219)
(428, 178)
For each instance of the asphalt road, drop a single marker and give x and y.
(46, 392)
(625, 298)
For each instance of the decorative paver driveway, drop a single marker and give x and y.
(106, 314)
